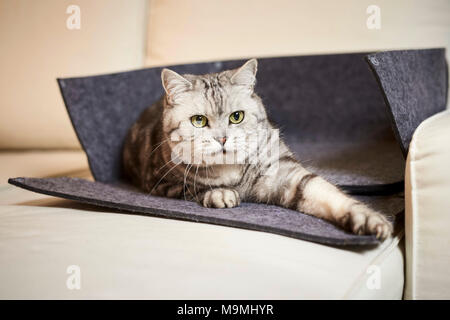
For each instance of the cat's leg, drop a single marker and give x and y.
(294, 187)
(165, 189)
(219, 198)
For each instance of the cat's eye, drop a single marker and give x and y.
(237, 117)
(199, 121)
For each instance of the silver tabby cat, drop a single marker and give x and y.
(215, 117)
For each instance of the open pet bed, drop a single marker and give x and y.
(348, 117)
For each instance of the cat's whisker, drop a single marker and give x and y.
(164, 176)
(195, 177)
(168, 162)
(188, 168)
(207, 178)
(158, 145)
(184, 182)
(213, 170)
(188, 187)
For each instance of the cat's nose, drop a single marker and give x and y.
(222, 140)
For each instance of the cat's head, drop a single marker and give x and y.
(212, 116)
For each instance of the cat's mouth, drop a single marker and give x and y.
(215, 153)
(221, 152)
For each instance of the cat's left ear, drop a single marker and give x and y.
(174, 83)
(246, 75)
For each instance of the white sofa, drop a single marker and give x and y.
(427, 199)
(129, 256)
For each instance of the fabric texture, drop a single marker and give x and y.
(427, 191)
(415, 86)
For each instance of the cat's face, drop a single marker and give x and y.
(212, 119)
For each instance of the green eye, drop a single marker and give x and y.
(237, 117)
(199, 121)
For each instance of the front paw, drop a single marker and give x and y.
(221, 198)
(362, 220)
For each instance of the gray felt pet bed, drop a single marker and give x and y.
(348, 117)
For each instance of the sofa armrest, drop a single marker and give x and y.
(427, 212)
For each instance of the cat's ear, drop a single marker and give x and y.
(174, 83)
(246, 75)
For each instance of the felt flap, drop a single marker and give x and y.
(414, 84)
(329, 108)
(260, 217)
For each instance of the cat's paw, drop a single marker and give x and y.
(221, 198)
(362, 220)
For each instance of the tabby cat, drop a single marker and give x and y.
(213, 116)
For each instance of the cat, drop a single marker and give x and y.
(212, 116)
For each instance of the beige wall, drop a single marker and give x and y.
(37, 47)
(199, 30)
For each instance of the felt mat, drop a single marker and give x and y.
(354, 167)
(327, 106)
(348, 117)
(414, 84)
(260, 217)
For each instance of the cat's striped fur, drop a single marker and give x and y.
(149, 148)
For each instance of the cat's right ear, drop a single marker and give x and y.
(246, 75)
(174, 83)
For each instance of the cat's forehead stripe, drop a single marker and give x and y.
(213, 93)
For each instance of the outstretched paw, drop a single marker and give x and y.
(221, 198)
(362, 220)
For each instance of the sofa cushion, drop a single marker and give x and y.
(37, 48)
(427, 219)
(197, 30)
(129, 256)
(41, 163)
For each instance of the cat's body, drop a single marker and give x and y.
(213, 116)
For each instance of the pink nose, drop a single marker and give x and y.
(223, 140)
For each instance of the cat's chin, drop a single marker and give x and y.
(217, 154)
